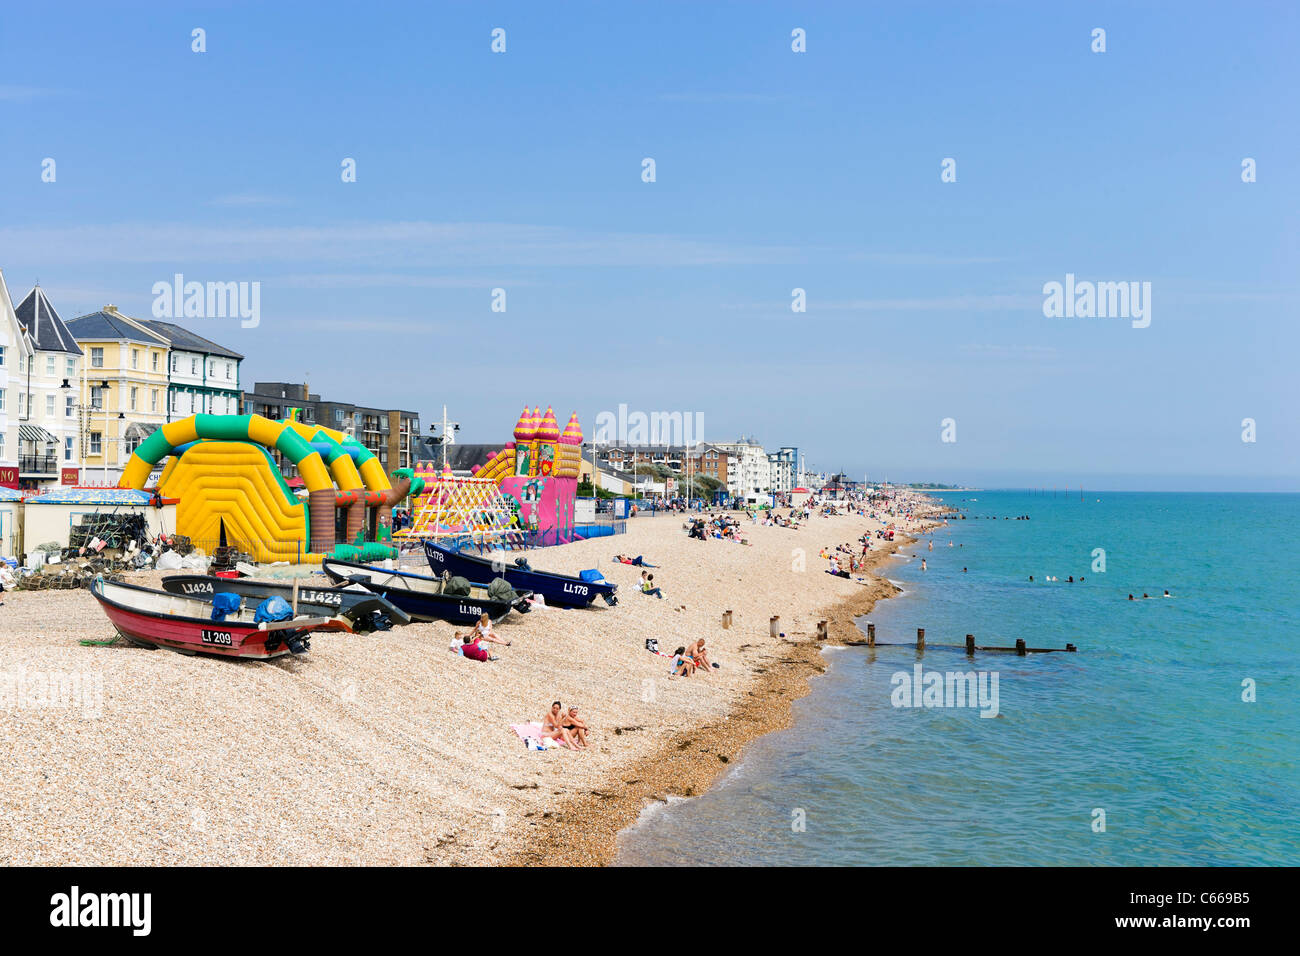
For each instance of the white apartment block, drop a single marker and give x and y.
(40, 370)
(749, 476)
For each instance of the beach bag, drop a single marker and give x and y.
(273, 609)
(591, 575)
(457, 587)
(223, 603)
(500, 590)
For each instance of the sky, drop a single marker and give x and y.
(774, 170)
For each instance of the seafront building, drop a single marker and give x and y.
(750, 477)
(123, 389)
(41, 424)
(202, 376)
(393, 434)
(784, 468)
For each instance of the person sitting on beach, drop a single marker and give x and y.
(472, 649)
(682, 666)
(473, 639)
(576, 726)
(648, 587)
(698, 654)
(482, 631)
(553, 726)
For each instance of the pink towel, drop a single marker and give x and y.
(533, 729)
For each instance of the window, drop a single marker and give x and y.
(2, 399)
(96, 358)
(155, 361)
(229, 370)
(176, 362)
(135, 358)
(338, 415)
(2, 356)
(96, 397)
(49, 406)
(49, 365)
(212, 369)
(67, 449)
(69, 406)
(96, 443)
(153, 400)
(176, 401)
(194, 366)
(72, 370)
(2, 444)
(132, 444)
(22, 404)
(133, 391)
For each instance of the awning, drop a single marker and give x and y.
(35, 433)
(139, 430)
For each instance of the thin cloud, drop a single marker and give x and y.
(23, 94)
(247, 199)
(389, 243)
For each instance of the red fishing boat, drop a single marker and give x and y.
(185, 624)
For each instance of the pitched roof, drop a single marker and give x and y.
(185, 339)
(43, 326)
(97, 326)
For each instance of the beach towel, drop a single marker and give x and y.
(531, 734)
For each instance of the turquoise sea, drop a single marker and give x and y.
(1146, 723)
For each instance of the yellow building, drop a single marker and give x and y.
(123, 389)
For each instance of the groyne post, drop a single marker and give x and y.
(920, 638)
(970, 644)
(774, 625)
(871, 635)
(821, 630)
(1020, 646)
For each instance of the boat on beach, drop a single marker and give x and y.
(185, 624)
(353, 602)
(558, 590)
(427, 598)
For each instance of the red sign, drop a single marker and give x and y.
(8, 477)
(70, 476)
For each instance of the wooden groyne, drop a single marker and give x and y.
(970, 647)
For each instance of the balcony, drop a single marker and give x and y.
(38, 464)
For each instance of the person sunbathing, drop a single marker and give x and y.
(553, 726)
(576, 726)
(472, 649)
(484, 632)
(639, 561)
(698, 654)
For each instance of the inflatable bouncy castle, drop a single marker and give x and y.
(229, 489)
(532, 480)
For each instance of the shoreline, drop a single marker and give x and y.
(584, 830)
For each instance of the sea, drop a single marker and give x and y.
(1170, 737)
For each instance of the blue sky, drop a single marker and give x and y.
(775, 170)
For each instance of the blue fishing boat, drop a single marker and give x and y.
(430, 599)
(558, 590)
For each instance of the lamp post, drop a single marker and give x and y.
(449, 430)
(83, 411)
